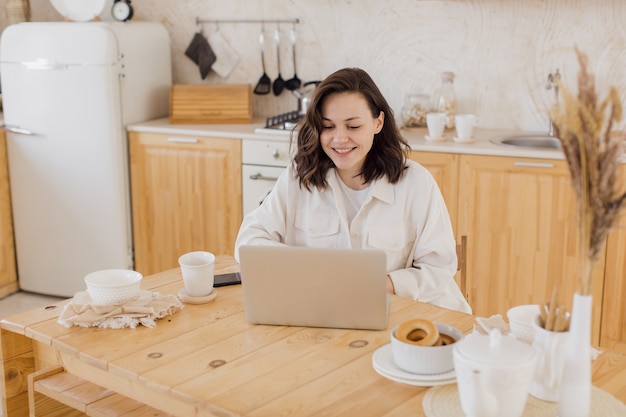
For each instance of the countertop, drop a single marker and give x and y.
(415, 137)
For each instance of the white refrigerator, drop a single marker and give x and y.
(69, 89)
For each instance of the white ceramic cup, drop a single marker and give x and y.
(465, 124)
(198, 272)
(436, 123)
(550, 347)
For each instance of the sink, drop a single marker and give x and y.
(529, 140)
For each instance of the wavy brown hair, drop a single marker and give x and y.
(388, 154)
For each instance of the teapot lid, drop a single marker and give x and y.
(495, 349)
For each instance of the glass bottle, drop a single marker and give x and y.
(446, 102)
(414, 110)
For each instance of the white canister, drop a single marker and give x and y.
(493, 374)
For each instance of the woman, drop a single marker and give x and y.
(351, 186)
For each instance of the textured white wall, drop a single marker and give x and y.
(500, 50)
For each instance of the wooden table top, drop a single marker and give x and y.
(207, 360)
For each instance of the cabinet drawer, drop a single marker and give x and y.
(271, 153)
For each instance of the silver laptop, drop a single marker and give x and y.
(297, 286)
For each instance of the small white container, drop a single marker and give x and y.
(113, 286)
(521, 321)
(425, 360)
(493, 374)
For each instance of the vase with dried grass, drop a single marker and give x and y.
(592, 150)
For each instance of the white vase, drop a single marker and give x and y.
(575, 396)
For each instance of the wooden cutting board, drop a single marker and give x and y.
(210, 103)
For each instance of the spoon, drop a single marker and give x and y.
(293, 83)
(263, 86)
(279, 83)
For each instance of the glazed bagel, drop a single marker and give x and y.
(420, 332)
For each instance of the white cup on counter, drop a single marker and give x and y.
(198, 269)
(465, 124)
(436, 123)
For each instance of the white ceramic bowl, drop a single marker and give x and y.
(521, 321)
(425, 360)
(113, 286)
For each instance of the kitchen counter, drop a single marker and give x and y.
(415, 137)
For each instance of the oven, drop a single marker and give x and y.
(262, 162)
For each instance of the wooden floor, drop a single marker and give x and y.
(23, 301)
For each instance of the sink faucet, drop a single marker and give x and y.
(552, 83)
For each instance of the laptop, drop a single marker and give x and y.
(313, 287)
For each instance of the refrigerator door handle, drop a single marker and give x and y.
(17, 129)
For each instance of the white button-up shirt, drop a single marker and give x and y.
(408, 220)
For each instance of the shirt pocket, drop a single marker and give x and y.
(397, 247)
(317, 229)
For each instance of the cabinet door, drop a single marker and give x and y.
(186, 195)
(613, 331)
(520, 217)
(8, 275)
(445, 169)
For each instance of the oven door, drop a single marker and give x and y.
(258, 181)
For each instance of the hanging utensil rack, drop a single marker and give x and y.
(262, 21)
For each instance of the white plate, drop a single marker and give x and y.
(79, 10)
(383, 363)
(188, 299)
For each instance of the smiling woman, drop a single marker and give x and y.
(350, 186)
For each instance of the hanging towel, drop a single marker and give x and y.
(227, 58)
(200, 52)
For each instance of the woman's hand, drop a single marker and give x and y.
(390, 288)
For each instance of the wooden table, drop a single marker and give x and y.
(208, 361)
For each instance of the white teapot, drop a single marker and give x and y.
(493, 374)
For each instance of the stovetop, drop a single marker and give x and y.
(284, 123)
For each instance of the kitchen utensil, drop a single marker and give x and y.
(265, 83)
(294, 82)
(304, 95)
(279, 83)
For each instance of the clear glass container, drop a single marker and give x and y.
(446, 101)
(414, 110)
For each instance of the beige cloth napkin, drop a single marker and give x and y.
(145, 309)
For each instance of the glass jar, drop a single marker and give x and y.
(414, 110)
(446, 102)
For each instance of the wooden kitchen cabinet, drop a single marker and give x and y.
(445, 169)
(520, 219)
(613, 330)
(185, 194)
(8, 272)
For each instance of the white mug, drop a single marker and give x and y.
(465, 124)
(436, 123)
(198, 272)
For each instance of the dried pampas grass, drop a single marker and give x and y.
(592, 151)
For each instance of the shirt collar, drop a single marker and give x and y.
(381, 188)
